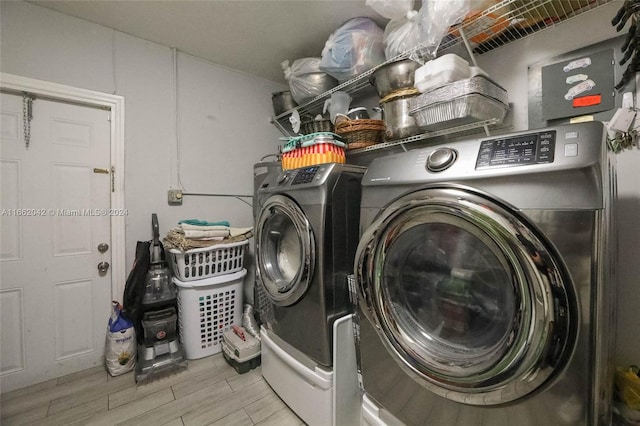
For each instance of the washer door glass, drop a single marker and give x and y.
(285, 250)
(466, 295)
(448, 283)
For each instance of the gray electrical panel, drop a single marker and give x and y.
(580, 86)
(576, 84)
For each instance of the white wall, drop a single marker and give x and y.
(223, 114)
(508, 66)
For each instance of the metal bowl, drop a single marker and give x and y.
(394, 76)
(358, 113)
(399, 124)
(282, 101)
(315, 126)
(315, 83)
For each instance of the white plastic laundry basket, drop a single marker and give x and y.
(207, 262)
(207, 308)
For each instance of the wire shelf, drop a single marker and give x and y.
(496, 26)
(424, 136)
(511, 20)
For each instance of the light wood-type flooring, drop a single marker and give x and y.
(209, 392)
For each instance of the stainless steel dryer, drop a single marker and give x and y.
(485, 282)
(306, 237)
(262, 171)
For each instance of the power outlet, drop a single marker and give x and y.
(175, 197)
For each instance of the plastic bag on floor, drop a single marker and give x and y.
(120, 344)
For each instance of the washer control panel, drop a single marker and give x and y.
(534, 148)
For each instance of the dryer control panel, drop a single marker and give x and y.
(305, 175)
(534, 148)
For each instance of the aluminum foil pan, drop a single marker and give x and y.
(479, 84)
(460, 111)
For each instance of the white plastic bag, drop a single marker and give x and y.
(391, 9)
(306, 79)
(120, 344)
(402, 35)
(436, 17)
(352, 49)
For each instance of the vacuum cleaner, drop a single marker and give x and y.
(159, 349)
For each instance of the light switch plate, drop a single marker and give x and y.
(175, 197)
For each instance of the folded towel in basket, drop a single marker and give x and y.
(197, 231)
(234, 232)
(185, 226)
(176, 239)
(199, 222)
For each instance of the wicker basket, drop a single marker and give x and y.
(361, 133)
(315, 126)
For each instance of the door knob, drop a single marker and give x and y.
(102, 247)
(103, 267)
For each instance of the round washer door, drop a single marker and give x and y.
(466, 295)
(285, 250)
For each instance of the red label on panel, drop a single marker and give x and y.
(585, 101)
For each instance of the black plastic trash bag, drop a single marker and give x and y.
(134, 288)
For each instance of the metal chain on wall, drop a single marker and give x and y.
(27, 116)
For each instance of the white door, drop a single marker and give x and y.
(54, 302)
